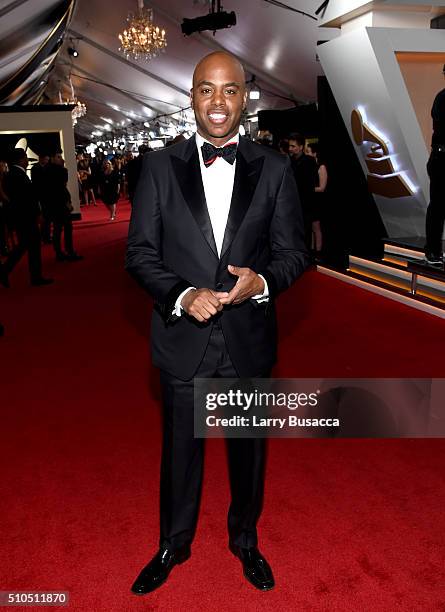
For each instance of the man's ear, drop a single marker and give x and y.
(191, 97)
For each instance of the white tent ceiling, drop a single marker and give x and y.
(275, 44)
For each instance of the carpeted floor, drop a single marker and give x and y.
(348, 525)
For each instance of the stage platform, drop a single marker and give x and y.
(401, 275)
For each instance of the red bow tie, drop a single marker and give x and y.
(210, 153)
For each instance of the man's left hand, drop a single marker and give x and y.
(247, 285)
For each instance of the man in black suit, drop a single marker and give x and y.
(435, 214)
(306, 176)
(40, 182)
(25, 212)
(60, 208)
(215, 234)
(134, 168)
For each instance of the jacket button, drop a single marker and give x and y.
(219, 286)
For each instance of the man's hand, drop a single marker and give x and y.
(247, 285)
(202, 304)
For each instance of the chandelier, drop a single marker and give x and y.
(142, 39)
(79, 110)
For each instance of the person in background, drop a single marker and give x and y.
(175, 140)
(306, 176)
(109, 187)
(265, 138)
(96, 171)
(126, 160)
(313, 150)
(283, 146)
(117, 164)
(25, 213)
(435, 215)
(134, 167)
(59, 200)
(38, 177)
(4, 211)
(84, 173)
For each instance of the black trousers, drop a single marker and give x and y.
(182, 460)
(63, 223)
(45, 226)
(435, 215)
(28, 241)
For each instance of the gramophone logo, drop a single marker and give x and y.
(382, 178)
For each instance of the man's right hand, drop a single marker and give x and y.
(202, 304)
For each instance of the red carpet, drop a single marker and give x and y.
(348, 525)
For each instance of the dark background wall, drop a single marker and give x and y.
(355, 225)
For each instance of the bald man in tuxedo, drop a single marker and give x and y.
(216, 234)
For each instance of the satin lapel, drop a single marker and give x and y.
(247, 175)
(188, 175)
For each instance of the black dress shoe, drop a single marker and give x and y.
(73, 257)
(256, 568)
(39, 282)
(156, 572)
(433, 259)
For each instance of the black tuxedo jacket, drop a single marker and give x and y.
(171, 247)
(24, 205)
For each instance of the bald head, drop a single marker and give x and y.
(216, 61)
(218, 96)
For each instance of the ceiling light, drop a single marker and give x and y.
(73, 52)
(79, 108)
(141, 39)
(254, 90)
(215, 20)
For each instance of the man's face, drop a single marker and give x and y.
(44, 160)
(58, 159)
(23, 162)
(295, 149)
(218, 97)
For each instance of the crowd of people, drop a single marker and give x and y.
(38, 210)
(108, 177)
(34, 210)
(311, 175)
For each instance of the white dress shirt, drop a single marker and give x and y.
(217, 180)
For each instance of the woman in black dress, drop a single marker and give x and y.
(109, 187)
(85, 179)
(320, 198)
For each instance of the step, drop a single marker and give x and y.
(402, 250)
(419, 301)
(428, 283)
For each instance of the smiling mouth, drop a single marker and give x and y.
(217, 118)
